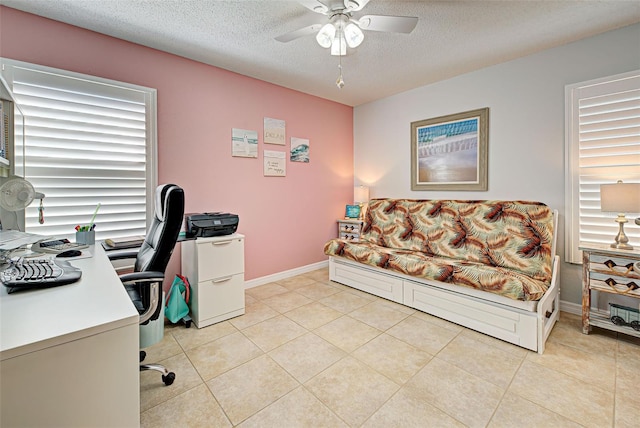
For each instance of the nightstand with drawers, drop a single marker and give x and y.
(609, 270)
(349, 229)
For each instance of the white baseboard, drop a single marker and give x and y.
(285, 274)
(576, 309)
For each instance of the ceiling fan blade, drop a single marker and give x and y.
(305, 31)
(393, 24)
(314, 6)
(355, 5)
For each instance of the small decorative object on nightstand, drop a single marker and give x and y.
(349, 229)
(608, 270)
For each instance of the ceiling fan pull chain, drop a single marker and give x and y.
(340, 81)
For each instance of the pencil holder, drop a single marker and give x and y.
(87, 238)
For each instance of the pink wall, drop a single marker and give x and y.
(286, 220)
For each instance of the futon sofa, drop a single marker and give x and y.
(487, 265)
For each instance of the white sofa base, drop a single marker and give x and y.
(526, 324)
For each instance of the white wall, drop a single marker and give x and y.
(526, 126)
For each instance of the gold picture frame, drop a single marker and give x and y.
(450, 152)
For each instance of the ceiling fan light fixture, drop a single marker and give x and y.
(354, 35)
(339, 46)
(326, 35)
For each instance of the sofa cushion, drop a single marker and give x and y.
(502, 281)
(514, 235)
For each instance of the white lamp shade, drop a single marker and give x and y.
(326, 35)
(360, 194)
(620, 197)
(339, 47)
(353, 35)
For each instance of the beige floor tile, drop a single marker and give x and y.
(167, 347)
(153, 391)
(572, 398)
(438, 321)
(423, 335)
(191, 337)
(500, 344)
(194, 408)
(286, 301)
(296, 282)
(406, 409)
(485, 361)
(273, 332)
(248, 299)
(319, 274)
(515, 411)
(313, 315)
(352, 390)
(627, 398)
(306, 356)
(467, 398)
(254, 313)
(392, 357)
(397, 306)
(592, 368)
(299, 408)
(599, 341)
(317, 291)
(378, 315)
(265, 291)
(221, 355)
(251, 387)
(344, 301)
(628, 354)
(346, 333)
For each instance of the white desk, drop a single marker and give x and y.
(69, 355)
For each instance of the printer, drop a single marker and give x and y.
(210, 224)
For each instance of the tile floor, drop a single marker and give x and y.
(312, 353)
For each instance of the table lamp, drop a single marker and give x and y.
(361, 197)
(620, 198)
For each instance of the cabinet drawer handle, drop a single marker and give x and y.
(219, 280)
(221, 242)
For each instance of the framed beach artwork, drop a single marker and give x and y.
(450, 152)
(244, 143)
(274, 131)
(299, 150)
(275, 163)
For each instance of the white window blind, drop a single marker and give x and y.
(603, 146)
(87, 141)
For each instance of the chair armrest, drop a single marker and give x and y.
(121, 255)
(147, 276)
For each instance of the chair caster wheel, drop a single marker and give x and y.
(169, 378)
(187, 324)
(143, 355)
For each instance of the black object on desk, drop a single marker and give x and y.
(38, 273)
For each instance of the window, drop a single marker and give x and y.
(602, 146)
(87, 141)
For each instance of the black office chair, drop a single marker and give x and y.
(144, 285)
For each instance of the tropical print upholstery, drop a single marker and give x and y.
(502, 247)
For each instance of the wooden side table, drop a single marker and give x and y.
(608, 270)
(349, 229)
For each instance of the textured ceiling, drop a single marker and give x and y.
(452, 37)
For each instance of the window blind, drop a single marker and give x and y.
(603, 146)
(87, 141)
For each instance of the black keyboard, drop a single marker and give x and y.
(38, 273)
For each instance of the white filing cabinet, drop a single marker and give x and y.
(215, 270)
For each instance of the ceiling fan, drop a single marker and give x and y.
(344, 25)
(344, 29)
